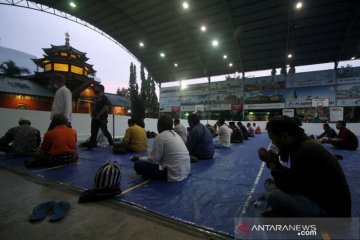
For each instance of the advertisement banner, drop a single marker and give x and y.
(169, 101)
(175, 109)
(264, 99)
(237, 107)
(348, 80)
(187, 108)
(165, 108)
(348, 75)
(264, 83)
(264, 106)
(169, 92)
(230, 85)
(195, 99)
(303, 97)
(336, 114)
(226, 98)
(310, 79)
(348, 95)
(195, 89)
(288, 112)
(199, 108)
(220, 107)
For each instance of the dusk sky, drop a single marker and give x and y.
(29, 31)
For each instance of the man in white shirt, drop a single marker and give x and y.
(251, 130)
(169, 159)
(224, 133)
(180, 129)
(62, 103)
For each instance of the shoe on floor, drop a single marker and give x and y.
(59, 211)
(41, 211)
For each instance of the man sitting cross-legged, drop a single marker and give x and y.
(58, 146)
(169, 159)
(199, 140)
(135, 139)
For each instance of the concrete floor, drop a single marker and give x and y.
(102, 220)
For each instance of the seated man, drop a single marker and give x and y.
(224, 133)
(169, 159)
(244, 130)
(257, 128)
(20, 140)
(199, 140)
(250, 130)
(180, 129)
(237, 135)
(212, 129)
(346, 139)
(329, 132)
(58, 146)
(135, 139)
(307, 188)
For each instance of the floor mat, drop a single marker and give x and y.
(216, 193)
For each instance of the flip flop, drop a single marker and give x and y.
(41, 210)
(59, 211)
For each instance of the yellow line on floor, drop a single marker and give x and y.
(134, 187)
(51, 168)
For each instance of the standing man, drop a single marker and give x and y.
(99, 117)
(62, 103)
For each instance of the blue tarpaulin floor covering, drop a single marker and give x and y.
(216, 193)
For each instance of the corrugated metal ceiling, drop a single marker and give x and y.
(254, 34)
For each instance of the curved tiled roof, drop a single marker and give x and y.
(23, 86)
(117, 100)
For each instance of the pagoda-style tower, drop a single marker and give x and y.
(67, 61)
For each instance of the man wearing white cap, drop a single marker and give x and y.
(20, 140)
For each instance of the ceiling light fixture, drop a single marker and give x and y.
(289, 55)
(72, 4)
(230, 64)
(215, 43)
(162, 54)
(185, 5)
(203, 28)
(225, 56)
(141, 44)
(175, 64)
(298, 5)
